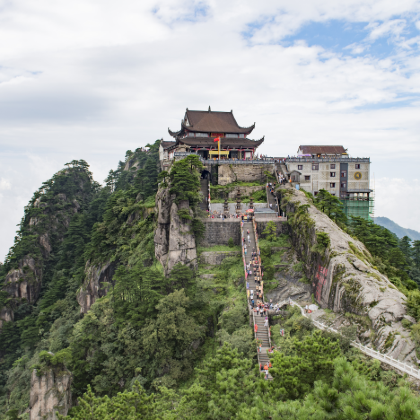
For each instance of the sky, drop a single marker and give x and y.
(90, 79)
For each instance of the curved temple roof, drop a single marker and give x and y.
(210, 122)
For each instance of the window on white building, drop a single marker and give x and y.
(307, 177)
(315, 167)
(357, 166)
(332, 174)
(332, 165)
(332, 184)
(300, 167)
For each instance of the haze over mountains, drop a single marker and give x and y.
(397, 229)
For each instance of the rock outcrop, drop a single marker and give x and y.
(25, 281)
(50, 393)
(97, 277)
(45, 224)
(344, 279)
(174, 237)
(289, 280)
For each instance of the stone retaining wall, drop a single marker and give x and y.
(219, 231)
(216, 257)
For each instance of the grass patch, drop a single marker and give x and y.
(281, 241)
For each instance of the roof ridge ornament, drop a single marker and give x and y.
(209, 109)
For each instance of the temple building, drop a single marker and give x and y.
(198, 131)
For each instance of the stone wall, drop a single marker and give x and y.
(216, 257)
(232, 191)
(281, 226)
(219, 231)
(246, 173)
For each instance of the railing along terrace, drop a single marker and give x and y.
(326, 159)
(235, 161)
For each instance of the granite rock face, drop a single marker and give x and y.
(25, 281)
(174, 238)
(289, 280)
(93, 286)
(343, 279)
(49, 393)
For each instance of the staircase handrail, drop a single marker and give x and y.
(254, 226)
(389, 360)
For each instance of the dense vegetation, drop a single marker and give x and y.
(175, 347)
(317, 375)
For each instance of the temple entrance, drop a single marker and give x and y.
(205, 174)
(203, 154)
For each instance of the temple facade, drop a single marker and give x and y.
(198, 132)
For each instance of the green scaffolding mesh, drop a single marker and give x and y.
(363, 208)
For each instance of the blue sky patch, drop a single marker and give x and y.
(347, 38)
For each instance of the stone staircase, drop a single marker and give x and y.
(271, 199)
(263, 333)
(281, 166)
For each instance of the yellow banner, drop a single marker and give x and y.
(216, 152)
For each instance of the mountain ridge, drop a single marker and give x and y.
(397, 229)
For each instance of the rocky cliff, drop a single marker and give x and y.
(174, 237)
(344, 279)
(95, 285)
(43, 227)
(50, 393)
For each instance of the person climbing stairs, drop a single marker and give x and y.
(262, 331)
(271, 200)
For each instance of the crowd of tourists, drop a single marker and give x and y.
(222, 215)
(282, 179)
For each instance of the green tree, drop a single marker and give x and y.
(270, 231)
(331, 206)
(295, 375)
(127, 405)
(185, 180)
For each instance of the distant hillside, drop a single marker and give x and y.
(397, 229)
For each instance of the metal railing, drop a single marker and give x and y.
(326, 159)
(404, 367)
(268, 161)
(236, 162)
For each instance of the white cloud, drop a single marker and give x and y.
(4, 184)
(357, 48)
(399, 200)
(89, 80)
(394, 27)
